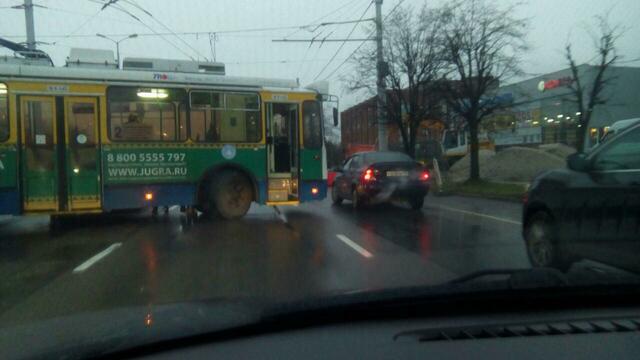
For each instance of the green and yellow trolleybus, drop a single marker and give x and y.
(91, 139)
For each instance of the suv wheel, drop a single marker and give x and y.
(335, 198)
(542, 246)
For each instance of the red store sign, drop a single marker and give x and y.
(552, 84)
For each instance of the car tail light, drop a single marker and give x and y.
(424, 176)
(368, 176)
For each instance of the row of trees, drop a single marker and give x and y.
(458, 54)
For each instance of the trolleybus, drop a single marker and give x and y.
(94, 138)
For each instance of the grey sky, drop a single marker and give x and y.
(254, 54)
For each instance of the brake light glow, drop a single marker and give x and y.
(368, 174)
(424, 176)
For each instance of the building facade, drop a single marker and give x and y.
(359, 126)
(359, 131)
(544, 110)
(535, 111)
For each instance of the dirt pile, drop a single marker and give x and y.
(460, 170)
(514, 164)
(560, 150)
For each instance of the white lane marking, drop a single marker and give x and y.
(354, 246)
(95, 258)
(479, 214)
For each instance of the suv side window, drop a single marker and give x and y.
(622, 154)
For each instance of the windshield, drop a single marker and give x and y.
(160, 156)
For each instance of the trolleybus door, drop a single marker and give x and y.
(82, 153)
(39, 147)
(282, 151)
(59, 153)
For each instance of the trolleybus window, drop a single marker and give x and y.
(182, 124)
(82, 136)
(221, 117)
(247, 102)
(4, 113)
(144, 121)
(312, 124)
(38, 126)
(145, 115)
(81, 123)
(206, 100)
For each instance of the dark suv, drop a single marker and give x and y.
(590, 210)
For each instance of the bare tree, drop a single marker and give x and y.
(412, 64)
(588, 96)
(483, 45)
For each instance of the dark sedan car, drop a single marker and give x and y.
(591, 210)
(376, 177)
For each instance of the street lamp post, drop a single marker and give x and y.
(117, 42)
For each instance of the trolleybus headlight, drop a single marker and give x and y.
(314, 190)
(148, 196)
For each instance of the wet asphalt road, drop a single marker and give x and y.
(107, 261)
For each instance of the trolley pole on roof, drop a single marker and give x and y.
(381, 73)
(28, 17)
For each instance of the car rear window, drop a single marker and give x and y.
(385, 157)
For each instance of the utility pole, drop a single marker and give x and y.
(28, 17)
(381, 70)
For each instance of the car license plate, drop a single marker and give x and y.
(397, 173)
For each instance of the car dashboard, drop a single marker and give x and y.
(592, 334)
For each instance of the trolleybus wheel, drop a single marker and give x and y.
(231, 194)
